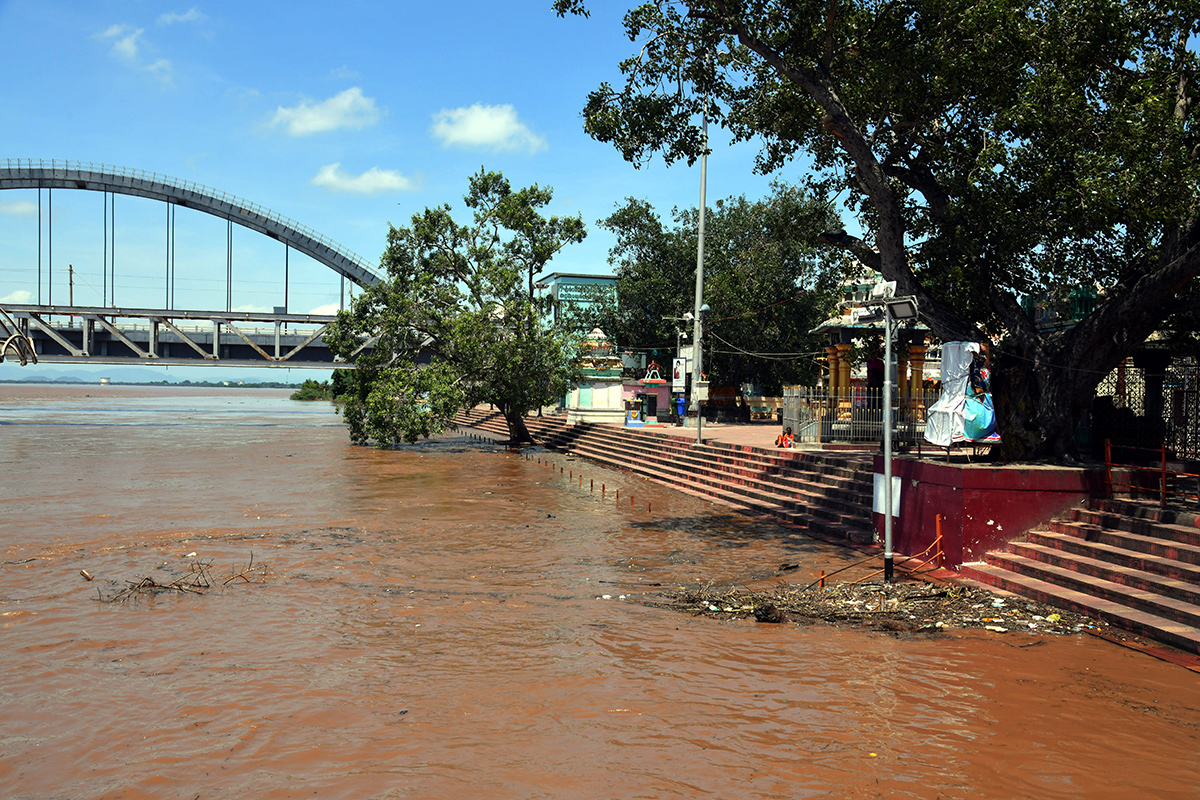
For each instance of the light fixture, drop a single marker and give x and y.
(903, 308)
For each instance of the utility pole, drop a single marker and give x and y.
(698, 331)
(70, 284)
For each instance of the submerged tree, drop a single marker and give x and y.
(766, 280)
(455, 322)
(994, 150)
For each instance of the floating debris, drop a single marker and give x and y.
(197, 580)
(901, 607)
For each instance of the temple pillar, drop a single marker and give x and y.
(916, 357)
(831, 357)
(843, 370)
(902, 376)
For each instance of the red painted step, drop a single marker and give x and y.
(1130, 564)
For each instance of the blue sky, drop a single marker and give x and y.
(342, 117)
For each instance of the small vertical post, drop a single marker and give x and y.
(941, 553)
(1163, 502)
(1108, 484)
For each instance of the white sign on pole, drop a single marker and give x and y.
(679, 373)
(879, 503)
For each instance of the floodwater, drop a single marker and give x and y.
(429, 622)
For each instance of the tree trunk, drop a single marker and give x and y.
(518, 433)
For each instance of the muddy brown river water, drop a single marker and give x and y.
(431, 623)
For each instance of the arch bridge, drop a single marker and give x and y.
(108, 334)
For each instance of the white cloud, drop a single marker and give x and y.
(126, 46)
(20, 297)
(344, 73)
(373, 181)
(253, 309)
(193, 14)
(348, 109)
(492, 127)
(125, 40)
(18, 208)
(162, 70)
(327, 310)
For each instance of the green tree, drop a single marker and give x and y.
(994, 149)
(342, 383)
(766, 281)
(455, 323)
(313, 390)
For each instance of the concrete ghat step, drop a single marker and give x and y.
(701, 459)
(1096, 565)
(1148, 511)
(1115, 553)
(717, 491)
(806, 499)
(1167, 531)
(757, 483)
(1152, 603)
(715, 460)
(1144, 623)
(796, 488)
(1138, 542)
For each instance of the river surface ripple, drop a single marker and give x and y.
(432, 625)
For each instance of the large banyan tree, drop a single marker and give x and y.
(993, 150)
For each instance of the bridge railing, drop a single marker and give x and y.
(189, 186)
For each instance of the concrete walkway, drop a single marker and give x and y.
(753, 434)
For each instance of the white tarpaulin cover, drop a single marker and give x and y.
(944, 424)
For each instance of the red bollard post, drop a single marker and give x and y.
(821, 579)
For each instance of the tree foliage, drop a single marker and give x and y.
(765, 280)
(993, 149)
(313, 390)
(455, 323)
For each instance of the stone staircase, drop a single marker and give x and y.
(827, 494)
(1127, 562)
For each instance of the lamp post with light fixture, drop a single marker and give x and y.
(895, 310)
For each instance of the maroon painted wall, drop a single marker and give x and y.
(982, 507)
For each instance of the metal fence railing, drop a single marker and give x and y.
(1150, 474)
(855, 417)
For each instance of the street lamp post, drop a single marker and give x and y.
(698, 329)
(895, 311)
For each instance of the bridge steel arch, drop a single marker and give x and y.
(41, 174)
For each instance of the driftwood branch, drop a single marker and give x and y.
(197, 580)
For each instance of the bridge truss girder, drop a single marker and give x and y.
(40, 174)
(78, 334)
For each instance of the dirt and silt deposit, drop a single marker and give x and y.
(904, 606)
